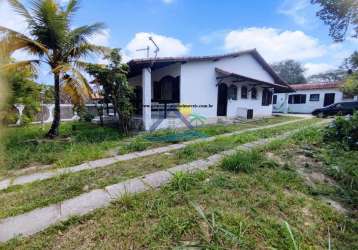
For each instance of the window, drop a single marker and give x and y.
(347, 96)
(253, 93)
(266, 97)
(244, 92)
(314, 97)
(232, 94)
(274, 101)
(297, 99)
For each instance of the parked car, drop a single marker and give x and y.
(340, 108)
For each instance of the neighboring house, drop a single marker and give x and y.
(309, 96)
(216, 87)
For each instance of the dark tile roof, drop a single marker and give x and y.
(136, 65)
(279, 88)
(321, 85)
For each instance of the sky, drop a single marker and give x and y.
(278, 29)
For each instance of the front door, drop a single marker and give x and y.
(222, 100)
(328, 99)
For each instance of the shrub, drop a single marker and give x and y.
(343, 130)
(138, 144)
(243, 161)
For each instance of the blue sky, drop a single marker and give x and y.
(279, 29)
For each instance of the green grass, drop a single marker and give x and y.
(246, 161)
(87, 142)
(20, 199)
(216, 209)
(264, 208)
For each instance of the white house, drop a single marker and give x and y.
(223, 86)
(309, 96)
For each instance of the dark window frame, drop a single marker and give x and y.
(274, 99)
(266, 97)
(312, 99)
(254, 93)
(232, 92)
(244, 92)
(297, 99)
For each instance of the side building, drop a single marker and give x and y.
(310, 96)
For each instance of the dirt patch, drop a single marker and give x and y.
(336, 205)
(275, 158)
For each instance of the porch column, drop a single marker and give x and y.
(147, 97)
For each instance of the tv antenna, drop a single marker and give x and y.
(147, 49)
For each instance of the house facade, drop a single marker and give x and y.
(310, 96)
(232, 85)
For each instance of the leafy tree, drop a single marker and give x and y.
(291, 71)
(351, 84)
(351, 63)
(53, 42)
(339, 15)
(113, 79)
(329, 76)
(22, 90)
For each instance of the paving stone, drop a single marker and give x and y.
(102, 162)
(157, 179)
(84, 203)
(29, 223)
(126, 157)
(131, 186)
(33, 177)
(229, 152)
(198, 165)
(4, 184)
(77, 168)
(214, 159)
(176, 146)
(179, 168)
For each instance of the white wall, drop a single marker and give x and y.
(309, 106)
(198, 84)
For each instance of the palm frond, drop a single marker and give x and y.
(13, 40)
(72, 7)
(19, 65)
(83, 33)
(87, 49)
(20, 9)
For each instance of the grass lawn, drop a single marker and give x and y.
(20, 199)
(254, 200)
(87, 142)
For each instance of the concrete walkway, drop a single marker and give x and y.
(25, 179)
(39, 219)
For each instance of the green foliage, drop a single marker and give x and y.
(54, 42)
(138, 144)
(339, 16)
(291, 71)
(343, 130)
(329, 76)
(113, 78)
(351, 63)
(351, 84)
(183, 182)
(243, 161)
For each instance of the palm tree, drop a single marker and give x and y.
(53, 42)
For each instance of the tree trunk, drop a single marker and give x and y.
(54, 130)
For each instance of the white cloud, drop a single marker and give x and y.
(168, 46)
(275, 45)
(316, 68)
(10, 19)
(101, 38)
(296, 9)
